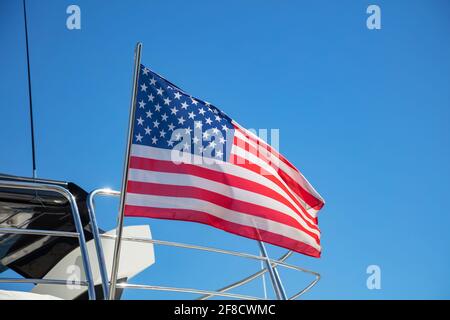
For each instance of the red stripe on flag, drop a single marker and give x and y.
(274, 152)
(304, 194)
(208, 219)
(218, 199)
(244, 163)
(225, 178)
(266, 146)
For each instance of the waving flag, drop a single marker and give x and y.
(189, 161)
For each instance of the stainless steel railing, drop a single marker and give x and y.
(96, 235)
(19, 185)
(206, 294)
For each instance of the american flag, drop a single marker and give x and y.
(190, 161)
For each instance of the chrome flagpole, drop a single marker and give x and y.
(116, 257)
(274, 276)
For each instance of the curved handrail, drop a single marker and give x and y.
(211, 249)
(96, 235)
(206, 293)
(39, 232)
(227, 252)
(185, 290)
(248, 278)
(76, 218)
(43, 281)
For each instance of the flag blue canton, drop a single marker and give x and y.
(169, 118)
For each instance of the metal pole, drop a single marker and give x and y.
(279, 291)
(263, 279)
(280, 284)
(116, 257)
(33, 148)
(97, 239)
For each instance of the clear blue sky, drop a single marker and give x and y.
(364, 114)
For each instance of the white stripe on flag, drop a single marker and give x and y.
(223, 189)
(222, 213)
